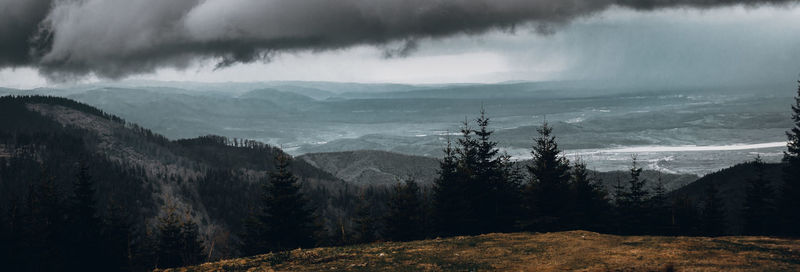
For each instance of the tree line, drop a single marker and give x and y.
(52, 230)
(478, 190)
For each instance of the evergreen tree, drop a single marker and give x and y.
(117, 239)
(713, 222)
(494, 188)
(404, 219)
(468, 168)
(758, 206)
(254, 236)
(589, 203)
(7, 239)
(365, 224)
(633, 202)
(283, 221)
(477, 187)
(192, 249)
(547, 192)
(790, 197)
(619, 204)
(44, 228)
(169, 245)
(84, 224)
(659, 213)
(449, 195)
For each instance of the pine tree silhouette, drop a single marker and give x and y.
(404, 219)
(790, 197)
(117, 238)
(283, 221)
(589, 203)
(169, 245)
(547, 192)
(449, 195)
(365, 224)
(254, 236)
(192, 249)
(44, 232)
(632, 203)
(84, 224)
(468, 168)
(659, 210)
(494, 189)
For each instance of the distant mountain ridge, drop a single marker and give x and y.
(374, 167)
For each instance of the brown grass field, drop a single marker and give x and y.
(559, 251)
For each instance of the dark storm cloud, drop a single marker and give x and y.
(115, 38)
(20, 20)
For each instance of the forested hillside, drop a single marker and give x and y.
(732, 185)
(48, 143)
(79, 183)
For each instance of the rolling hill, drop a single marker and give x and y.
(211, 179)
(732, 184)
(371, 167)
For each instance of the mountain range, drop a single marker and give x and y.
(213, 179)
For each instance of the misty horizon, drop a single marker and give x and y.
(400, 135)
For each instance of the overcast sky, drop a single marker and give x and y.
(698, 43)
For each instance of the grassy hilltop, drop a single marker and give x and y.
(559, 251)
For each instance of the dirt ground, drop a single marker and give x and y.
(560, 251)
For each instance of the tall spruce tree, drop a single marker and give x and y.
(178, 240)
(44, 232)
(477, 187)
(713, 213)
(589, 203)
(632, 204)
(6, 242)
(404, 221)
(84, 223)
(619, 202)
(759, 206)
(169, 240)
(192, 249)
(450, 202)
(254, 235)
(494, 188)
(547, 192)
(118, 237)
(659, 211)
(468, 162)
(365, 225)
(284, 220)
(790, 197)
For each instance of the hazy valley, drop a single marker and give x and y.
(694, 130)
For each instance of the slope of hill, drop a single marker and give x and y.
(558, 251)
(210, 179)
(732, 184)
(371, 167)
